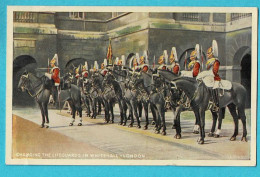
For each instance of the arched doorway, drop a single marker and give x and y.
(74, 63)
(20, 64)
(246, 77)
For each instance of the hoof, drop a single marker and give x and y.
(71, 124)
(244, 139)
(106, 122)
(138, 126)
(163, 133)
(145, 127)
(157, 131)
(42, 126)
(196, 132)
(111, 121)
(130, 125)
(177, 136)
(124, 124)
(47, 126)
(211, 134)
(216, 136)
(120, 123)
(153, 123)
(233, 138)
(79, 124)
(201, 142)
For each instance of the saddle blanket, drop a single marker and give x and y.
(186, 74)
(208, 78)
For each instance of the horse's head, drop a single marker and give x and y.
(24, 82)
(108, 78)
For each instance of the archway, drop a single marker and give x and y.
(246, 76)
(20, 64)
(74, 63)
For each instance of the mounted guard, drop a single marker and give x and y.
(103, 68)
(194, 64)
(163, 60)
(174, 67)
(54, 75)
(144, 62)
(84, 73)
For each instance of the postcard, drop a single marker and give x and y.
(131, 86)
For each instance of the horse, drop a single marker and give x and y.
(96, 93)
(199, 96)
(153, 92)
(40, 89)
(112, 94)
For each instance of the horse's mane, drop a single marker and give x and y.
(168, 75)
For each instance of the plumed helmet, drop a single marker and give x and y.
(54, 60)
(195, 53)
(123, 60)
(137, 58)
(116, 61)
(215, 48)
(173, 56)
(105, 62)
(96, 65)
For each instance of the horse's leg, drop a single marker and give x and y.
(73, 109)
(174, 118)
(130, 110)
(196, 128)
(178, 122)
(153, 109)
(79, 109)
(146, 115)
(242, 115)
(112, 112)
(43, 116)
(202, 126)
(134, 106)
(95, 108)
(214, 117)
(220, 118)
(121, 109)
(106, 111)
(88, 107)
(140, 109)
(99, 107)
(161, 111)
(45, 109)
(232, 110)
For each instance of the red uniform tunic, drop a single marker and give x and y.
(176, 69)
(55, 74)
(145, 68)
(104, 72)
(85, 74)
(214, 64)
(196, 69)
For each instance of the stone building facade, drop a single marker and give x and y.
(84, 36)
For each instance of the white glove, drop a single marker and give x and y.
(48, 75)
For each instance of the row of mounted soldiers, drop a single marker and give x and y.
(135, 86)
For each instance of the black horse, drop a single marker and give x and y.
(40, 89)
(113, 94)
(199, 96)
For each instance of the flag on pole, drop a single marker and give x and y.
(109, 53)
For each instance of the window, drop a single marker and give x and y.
(190, 17)
(26, 17)
(237, 16)
(77, 15)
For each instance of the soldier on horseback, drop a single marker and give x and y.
(194, 65)
(174, 67)
(84, 73)
(213, 65)
(144, 62)
(103, 68)
(163, 60)
(54, 75)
